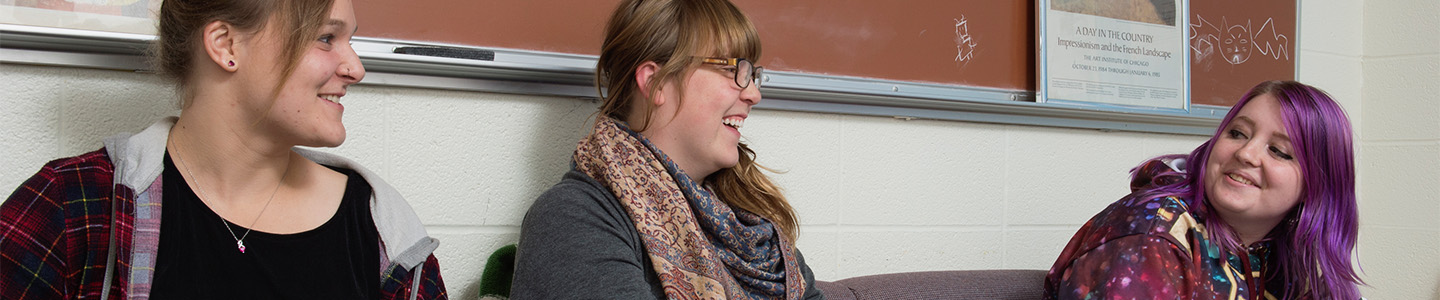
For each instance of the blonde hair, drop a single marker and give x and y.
(669, 32)
(181, 21)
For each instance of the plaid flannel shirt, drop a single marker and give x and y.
(55, 234)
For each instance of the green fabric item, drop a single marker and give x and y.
(499, 271)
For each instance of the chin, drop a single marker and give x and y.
(335, 137)
(1233, 204)
(730, 162)
(326, 142)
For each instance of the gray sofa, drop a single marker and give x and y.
(970, 284)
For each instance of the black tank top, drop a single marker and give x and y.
(198, 258)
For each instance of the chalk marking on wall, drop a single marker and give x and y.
(1279, 49)
(964, 43)
(1238, 42)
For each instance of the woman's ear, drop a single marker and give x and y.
(644, 79)
(220, 42)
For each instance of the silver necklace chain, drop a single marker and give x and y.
(239, 241)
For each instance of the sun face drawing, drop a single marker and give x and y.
(1235, 45)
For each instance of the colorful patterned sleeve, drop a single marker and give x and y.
(1131, 267)
(32, 226)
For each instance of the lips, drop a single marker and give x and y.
(1242, 179)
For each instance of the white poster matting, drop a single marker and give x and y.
(1111, 61)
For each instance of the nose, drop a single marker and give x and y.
(1250, 153)
(351, 70)
(751, 94)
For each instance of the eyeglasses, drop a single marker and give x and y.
(745, 71)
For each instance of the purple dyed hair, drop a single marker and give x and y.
(1318, 237)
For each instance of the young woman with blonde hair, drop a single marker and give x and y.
(219, 203)
(664, 201)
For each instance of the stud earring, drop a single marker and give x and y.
(230, 63)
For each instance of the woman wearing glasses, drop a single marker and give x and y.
(663, 200)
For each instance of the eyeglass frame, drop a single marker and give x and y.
(755, 71)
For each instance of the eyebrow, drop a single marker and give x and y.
(1280, 135)
(341, 23)
(1283, 137)
(1246, 119)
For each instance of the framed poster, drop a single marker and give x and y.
(1126, 54)
(125, 16)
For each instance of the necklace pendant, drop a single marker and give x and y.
(241, 245)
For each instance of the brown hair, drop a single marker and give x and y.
(181, 21)
(668, 32)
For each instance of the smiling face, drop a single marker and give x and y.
(1252, 178)
(306, 111)
(1235, 45)
(700, 130)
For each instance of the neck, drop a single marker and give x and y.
(1252, 231)
(668, 146)
(680, 158)
(226, 155)
(696, 173)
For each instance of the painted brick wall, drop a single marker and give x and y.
(1400, 143)
(875, 194)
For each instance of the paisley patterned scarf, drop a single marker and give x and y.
(699, 246)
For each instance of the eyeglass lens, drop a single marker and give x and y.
(746, 73)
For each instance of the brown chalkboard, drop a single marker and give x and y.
(1236, 44)
(982, 43)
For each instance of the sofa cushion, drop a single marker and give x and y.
(969, 284)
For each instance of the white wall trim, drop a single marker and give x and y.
(558, 74)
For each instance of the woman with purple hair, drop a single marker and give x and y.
(1263, 210)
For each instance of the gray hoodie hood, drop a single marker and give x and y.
(140, 158)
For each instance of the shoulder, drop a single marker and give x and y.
(575, 191)
(1131, 216)
(90, 172)
(577, 241)
(341, 165)
(68, 205)
(94, 162)
(579, 209)
(404, 237)
(1130, 238)
(385, 198)
(1163, 220)
(578, 201)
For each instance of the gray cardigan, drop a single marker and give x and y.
(578, 242)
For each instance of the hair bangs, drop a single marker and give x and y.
(723, 31)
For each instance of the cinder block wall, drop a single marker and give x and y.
(875, 194)
(1400, 148)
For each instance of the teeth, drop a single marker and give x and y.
(736, 122)
(1241, 179)
(331, 98)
